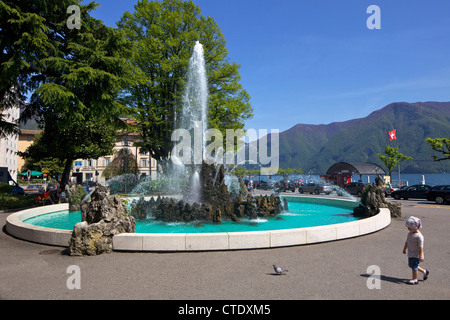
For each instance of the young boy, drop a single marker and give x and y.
(414, 244)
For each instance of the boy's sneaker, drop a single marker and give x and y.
(425, 275)
(415, 281)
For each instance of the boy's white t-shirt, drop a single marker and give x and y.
(415, 242)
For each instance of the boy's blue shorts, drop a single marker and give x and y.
(413, 263)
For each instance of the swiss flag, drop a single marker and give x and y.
(392, 135)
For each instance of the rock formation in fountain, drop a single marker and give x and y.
(216, 203)
(102, 217)
(373, 199)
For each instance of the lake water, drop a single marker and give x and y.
(432, 179)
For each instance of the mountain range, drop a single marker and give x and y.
(315, 148)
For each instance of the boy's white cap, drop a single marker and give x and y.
(414, 223)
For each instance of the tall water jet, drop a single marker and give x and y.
(194, 115)
(211, 194)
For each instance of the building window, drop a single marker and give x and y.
(106, 161)
(89, 163)
(125, 142)
(144, 163)
(144, 153)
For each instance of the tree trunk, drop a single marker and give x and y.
(66, 173)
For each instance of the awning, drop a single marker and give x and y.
(355, 168)
(33, 173)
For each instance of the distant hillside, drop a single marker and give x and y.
(317, 147)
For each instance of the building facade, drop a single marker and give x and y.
(26, 138)
(9, 144)
(93, 169)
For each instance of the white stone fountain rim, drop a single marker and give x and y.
(204, 241)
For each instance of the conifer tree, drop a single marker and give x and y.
(25, 38)
(77, 77)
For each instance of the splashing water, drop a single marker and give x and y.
(195, 188)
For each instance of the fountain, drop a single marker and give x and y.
(200, 189)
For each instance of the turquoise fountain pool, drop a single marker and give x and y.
(300, 215)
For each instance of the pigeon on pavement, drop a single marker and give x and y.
(279, 270)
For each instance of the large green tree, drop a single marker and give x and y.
(77, 84)
(163, 35)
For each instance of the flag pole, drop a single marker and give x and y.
(399, 181)
(393, 136)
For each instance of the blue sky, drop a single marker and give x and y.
(316, 62)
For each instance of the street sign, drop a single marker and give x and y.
(78, 163)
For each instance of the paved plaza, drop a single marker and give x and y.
(332, 270)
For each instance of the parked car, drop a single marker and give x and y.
(355, 188)
(52, 187)
(418, 191)
(5, 177)
(389, 188)
(17, 189)
(290, 185)
(315, 188)
(439, 194)
(285, 185)
(34, 189)
(264, 185)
